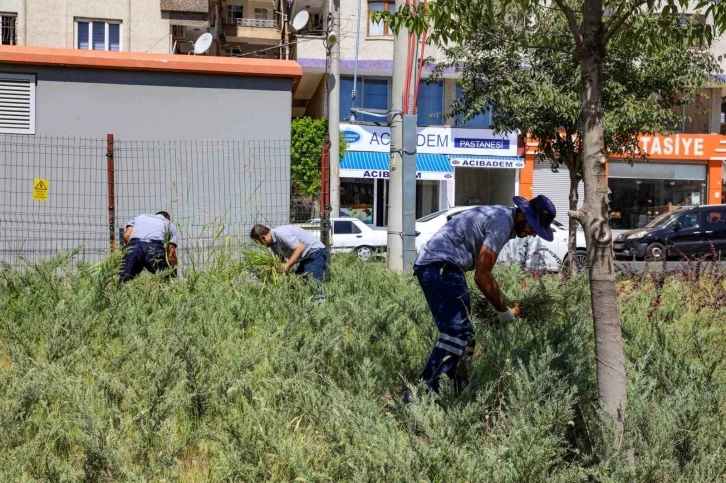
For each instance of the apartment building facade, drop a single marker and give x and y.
(152, 26)
(244, 28)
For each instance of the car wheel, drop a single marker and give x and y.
(655, 252)
(582, 261)
(364, 253)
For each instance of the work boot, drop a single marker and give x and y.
(407, 397)
(462, 375)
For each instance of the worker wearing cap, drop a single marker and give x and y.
(295, 245)
(151, 242)
(471, 240)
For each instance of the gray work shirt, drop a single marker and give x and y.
(154, 228)
(460, 240)
(286, 238)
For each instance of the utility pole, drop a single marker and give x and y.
(334, 107)
(395, 180)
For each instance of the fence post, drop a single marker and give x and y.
(110, 168)
(325, 192)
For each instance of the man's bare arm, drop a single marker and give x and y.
(171, 254)
(127, 234)
(485, 280)
(295, 256)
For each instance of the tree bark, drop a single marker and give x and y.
(611, 378)
(572, 237)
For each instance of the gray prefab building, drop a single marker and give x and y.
(90, 139)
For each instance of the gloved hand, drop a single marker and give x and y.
(507, 316)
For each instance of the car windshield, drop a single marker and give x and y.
(431, 216)
(664, 219)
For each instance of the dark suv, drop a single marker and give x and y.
(687, 231)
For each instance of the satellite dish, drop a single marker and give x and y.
(201, 46)
(300, 20)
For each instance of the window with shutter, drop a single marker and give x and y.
(17, 104)
(98, 35)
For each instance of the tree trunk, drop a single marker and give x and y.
(572, 237)
(593, 217)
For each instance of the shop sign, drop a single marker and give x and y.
(385, 174)
(433, 140)
(460, 161)
(686, 146)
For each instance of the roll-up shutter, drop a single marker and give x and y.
(555, 186)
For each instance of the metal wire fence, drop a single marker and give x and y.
(65, 194)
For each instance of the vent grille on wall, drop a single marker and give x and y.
(17, 104)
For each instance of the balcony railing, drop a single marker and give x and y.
(253, 22)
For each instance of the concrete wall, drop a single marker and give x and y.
(212, 150)
(51, 23)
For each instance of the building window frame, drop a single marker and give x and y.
(262, 13)
(388, 6)
(12, 35)
(106, 36)
(235, 13)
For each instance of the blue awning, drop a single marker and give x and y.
(359, 164)
(360, 160)
(478, 161)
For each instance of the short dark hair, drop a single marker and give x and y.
(258, 231)
(164, 214)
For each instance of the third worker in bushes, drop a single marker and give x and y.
(470, 241)
(295, 245)
(151, 242)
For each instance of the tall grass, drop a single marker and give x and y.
(222, 377)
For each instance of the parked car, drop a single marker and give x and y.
(686, 231)
(537, 252)
(351, 235)
(428, 225)
(541, 254)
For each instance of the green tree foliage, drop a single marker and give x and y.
(217, 377)
(306, 147)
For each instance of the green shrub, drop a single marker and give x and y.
(219, 377)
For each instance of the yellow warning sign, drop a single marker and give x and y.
(40, 189)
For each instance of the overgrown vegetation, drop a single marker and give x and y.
(219, 377)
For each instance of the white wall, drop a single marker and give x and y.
(51, 23)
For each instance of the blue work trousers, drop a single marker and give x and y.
(140, 255)
(444, 287)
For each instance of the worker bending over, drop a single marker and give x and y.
(472, 240)
(295, 245)
(151, 242)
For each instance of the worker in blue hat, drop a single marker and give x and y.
(471, 240)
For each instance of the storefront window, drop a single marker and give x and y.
(356, 199)
(427, 197)
(637, 202)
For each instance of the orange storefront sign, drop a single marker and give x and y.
(685, 147)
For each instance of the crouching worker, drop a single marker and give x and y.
(470, 241)
(295, 245)
(151, 242)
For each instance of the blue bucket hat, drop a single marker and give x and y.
(540, 212)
